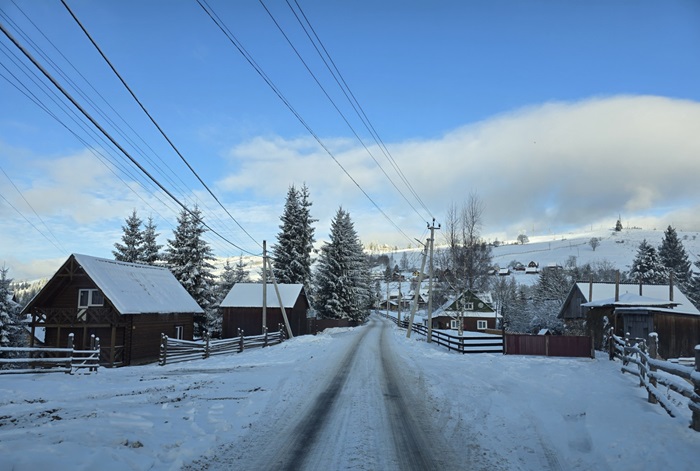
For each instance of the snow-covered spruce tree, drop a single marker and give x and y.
(226, 281)
(693, 288)
(647, 266)
(240, 274)
(188, 256)
(10, 328)
(132, 238)
(292, 252)
(342, 279)
(674, 257)
(150, 249)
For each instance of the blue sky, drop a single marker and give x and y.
(557, 114)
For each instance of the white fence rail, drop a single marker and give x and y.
(20, 360)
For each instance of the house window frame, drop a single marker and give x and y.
(482, 324)
(180, 332)
(92, 293)
(454, 324)
(468, 306)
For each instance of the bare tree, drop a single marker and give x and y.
(594, 243)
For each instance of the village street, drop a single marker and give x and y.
(369, 411)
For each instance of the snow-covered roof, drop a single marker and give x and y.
(250, 295)
(133, 288)
(630, 300)
(657, 294)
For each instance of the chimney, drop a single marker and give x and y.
(590, 289)
(670, 287)
(640, 285)
(617, 286)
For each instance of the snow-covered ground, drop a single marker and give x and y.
(501, 412)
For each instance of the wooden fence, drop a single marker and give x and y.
(175, 350)
(474, 344)
(19, 360)
(549, 345)
(679, 380)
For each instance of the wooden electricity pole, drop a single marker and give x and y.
(264, 288)
(429, 338)
(416, 293)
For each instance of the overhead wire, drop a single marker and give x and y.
(354, 102)
(32, 208)
(224, 29)
(155, 123)
(192, 199)
(335, 106)
(108, 135)
(20, 84)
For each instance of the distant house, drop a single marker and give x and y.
(504, 272)
(242, 308)
(475, 310)
(518, 266)
(126, 305)
(637, 309)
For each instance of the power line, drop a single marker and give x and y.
(359, 109)
(335, 106)
(165, 136)
(107, 135)
(219, 23)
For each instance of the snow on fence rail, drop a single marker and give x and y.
(19, 360)
(175, 350)
(680, 381)
(480, 344)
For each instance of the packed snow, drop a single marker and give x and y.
(497, 412)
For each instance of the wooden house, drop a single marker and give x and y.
(127, 305)
(635, 309)
(242, 308)
(474, 309)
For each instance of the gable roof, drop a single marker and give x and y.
(484, 298)
(250, 295)
(653, 295)
(133, 288)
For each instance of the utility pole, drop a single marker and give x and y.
(416, 293)
(264, 288)
(430, 283)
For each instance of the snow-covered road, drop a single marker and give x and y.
(362, 398)
(368, 414)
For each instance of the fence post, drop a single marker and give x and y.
(265, 340)
(611, 343)
(282, 333)
(69, 361)
(163, 349)
(97, 350)
(206, 344)
(694, 404)
(240, 340)
(653, 349)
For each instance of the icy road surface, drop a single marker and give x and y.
(369, 412)
(364, 398)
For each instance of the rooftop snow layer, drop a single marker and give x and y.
(250, 295)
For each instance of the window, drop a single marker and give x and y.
(481, 325)
(90, 297)
(179, 332)
(468, 306)
(454, 324)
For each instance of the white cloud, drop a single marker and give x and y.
(550, 166)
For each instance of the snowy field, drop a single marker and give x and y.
(499, 412)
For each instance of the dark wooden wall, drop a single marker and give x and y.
(249, 319)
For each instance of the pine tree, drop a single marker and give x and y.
(647, 266)
(342, 289)
(10, 329)
(226, 281)
(674, 257)
(618, 225)
(150, 249)
(132, 238)
(188, 256)
(292, 253)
